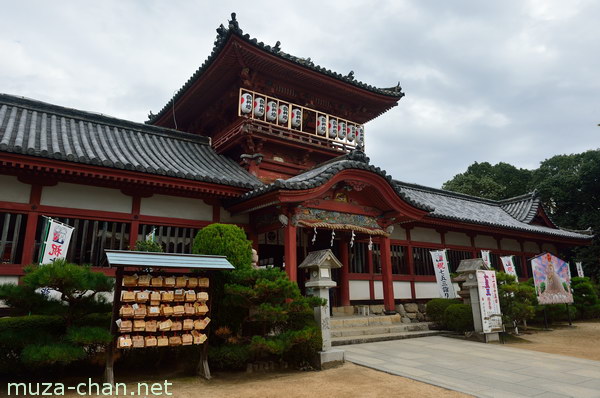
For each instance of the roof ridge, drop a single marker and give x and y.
(447, 192)
(99, 118)
(233, 28)
(529, 195)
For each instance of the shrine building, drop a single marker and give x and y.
(264, 140)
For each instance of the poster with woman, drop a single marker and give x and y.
(552, 279)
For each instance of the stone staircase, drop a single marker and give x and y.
(367, 329)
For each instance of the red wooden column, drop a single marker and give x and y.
(386, 273)
(289, 240)
(344, 274)
(35, 197)
(136, 203)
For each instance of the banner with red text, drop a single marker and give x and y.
(489, 303)
(509, 265)
(442, 274)
(56, 241)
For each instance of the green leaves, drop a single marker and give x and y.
(225, 240)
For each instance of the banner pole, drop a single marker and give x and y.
(43, 239)
(545, 318)
(568, 314)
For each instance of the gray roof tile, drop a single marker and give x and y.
(39, 129)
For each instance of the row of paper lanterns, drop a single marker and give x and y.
(280, 114)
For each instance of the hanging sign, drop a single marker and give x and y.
(509, 266)
(579, 269)
(56, 241)
(552, 279)
(442, 274)
(489, 304)
(485, 256)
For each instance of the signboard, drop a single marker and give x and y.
(489, 304)
(509, 266)
(579, 269)
(56, 242)
(442, 274)
(552, 279)
(485, 256)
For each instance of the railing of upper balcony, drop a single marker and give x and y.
(273, 111)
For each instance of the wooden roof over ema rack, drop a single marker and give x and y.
(125, 258)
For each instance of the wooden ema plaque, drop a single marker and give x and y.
(157, 310)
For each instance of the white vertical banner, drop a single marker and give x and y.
(442, 274)
(485, 256)
(56, 242)
(489, 303)
(579, 269)
(509, 265)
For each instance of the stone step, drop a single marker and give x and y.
(364, 321)
(336, 341)
(379, 329)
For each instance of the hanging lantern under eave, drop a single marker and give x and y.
(342, 130)
(246, 103)
(321, 125)
(351, 130)
(332, 128)
(296, 117)
(282, 114)
(360, 135)
(259, 107)
(271, 111)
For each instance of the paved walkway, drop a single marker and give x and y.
(483, 370)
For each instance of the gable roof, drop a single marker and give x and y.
(233, 29)
(44, 130)
(514, 213)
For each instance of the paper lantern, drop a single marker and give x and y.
(283, 114)
(351, 130)
(321, 125)
(246, 103)
(360, 135)
(342, 130)
(332, 128)
(296, 117)
(259, 107)
(271, 111)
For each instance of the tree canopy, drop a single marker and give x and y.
(568, 185)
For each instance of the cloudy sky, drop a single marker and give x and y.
(513, 81)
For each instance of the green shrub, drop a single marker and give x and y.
(88, 335)
(517, 300)
(101, 320)
(555, 313)
(18, 332)
(585, 298)
(24, 300)
(49, 354)
(459, 318)
(229, 357)
(436, 307)
(225, 240)
(148, 246)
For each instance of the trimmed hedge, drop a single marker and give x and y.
(459, 318)
(225, 240)
(437, 306)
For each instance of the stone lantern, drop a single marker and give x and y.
(319, 264)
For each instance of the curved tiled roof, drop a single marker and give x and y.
(223, 34)
(320, 175)
(523, 208)
(39, 129)
(470, 209)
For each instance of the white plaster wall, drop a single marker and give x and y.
(549, 247)
(176, 207)
(398, 233)
(13, 190)
(9, 280)
(486, 242)
(227, 218)
(426, 290)
(402, 290)
(457, 238)
(86, 197)
(359, 290)
(378, 290)
(419, 234)
(531, 247)
(510, 244)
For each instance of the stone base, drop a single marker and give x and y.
(331, 358)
